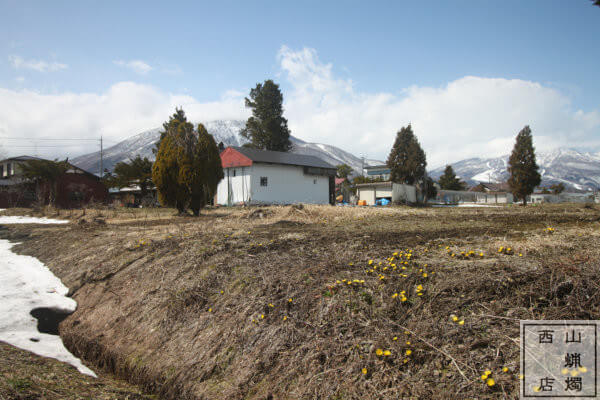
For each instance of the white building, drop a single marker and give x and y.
(272, 177)
(371, 193)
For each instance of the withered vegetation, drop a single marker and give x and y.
(317, 301)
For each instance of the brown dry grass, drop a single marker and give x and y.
(195, 307)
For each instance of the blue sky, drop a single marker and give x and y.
(365, 52)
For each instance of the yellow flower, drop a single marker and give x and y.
(271, 305)
(405, 360)
(285, 317)
(210, 310)
(454, 318)
(364, 371)
(387, 353)
(408, 352)
(395, 338)
(491, 382)
(505, 369)
(425, 275)
(520, 254)
(461, 322)
(408, 343)
(394, 295)
(379, 352)
(484, 377)
(262, 316)
(370, 262)
(487, 372)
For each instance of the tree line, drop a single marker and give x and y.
(188, 168)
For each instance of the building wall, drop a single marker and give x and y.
(235, 189)
(402, 193)
(286, 184)
(367, 194)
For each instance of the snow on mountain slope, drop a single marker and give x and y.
(226, 131)
(576, 170)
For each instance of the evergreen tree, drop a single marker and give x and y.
(267, 128)
(188, 168)
(523, 170)
(137, 171)
(174, 120)
(343, 170)
(407, 160)
(558, 188)
(449, 181)
(45, 174)
(207, 173)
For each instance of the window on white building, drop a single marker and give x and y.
(263, 181)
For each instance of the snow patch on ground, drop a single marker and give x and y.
(464, 205)
(19, 219)
(26, 284)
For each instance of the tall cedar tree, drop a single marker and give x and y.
(188, 168)
(177, 117)
(407, 160)
(137, 171)
(449, 181)
(45, 174)
(267, 128)
(523, 170)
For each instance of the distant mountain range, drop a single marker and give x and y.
(576, 170)
(226, 131)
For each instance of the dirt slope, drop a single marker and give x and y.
(231, 305)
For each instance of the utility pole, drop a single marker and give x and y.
(101, 160)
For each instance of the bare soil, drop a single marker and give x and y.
(294, 303)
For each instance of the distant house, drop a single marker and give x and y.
(564, 197)
(74, 189)
(378, 172)
(272, 177)
(372, 193)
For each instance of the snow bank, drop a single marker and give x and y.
(25, 284)
(464, 205)
(19, 219)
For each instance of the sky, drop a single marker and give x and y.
(467, 75)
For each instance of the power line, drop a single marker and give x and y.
(34, 138)
(67, 145)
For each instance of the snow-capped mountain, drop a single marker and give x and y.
(226, 131)
(576, 170)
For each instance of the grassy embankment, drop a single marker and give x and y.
(319, 302)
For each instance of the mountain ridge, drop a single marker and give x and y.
(579, 171)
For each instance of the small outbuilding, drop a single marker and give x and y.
(272, 177)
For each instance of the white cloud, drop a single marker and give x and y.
(137, 66)
(35, 65)
(468, 117)
(125, 109)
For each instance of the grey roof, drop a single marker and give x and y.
(280, 157)
(21, 158)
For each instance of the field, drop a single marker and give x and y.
(317, 301)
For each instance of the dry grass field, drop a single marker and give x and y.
(318, 302)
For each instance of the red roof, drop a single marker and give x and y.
(231, 158)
